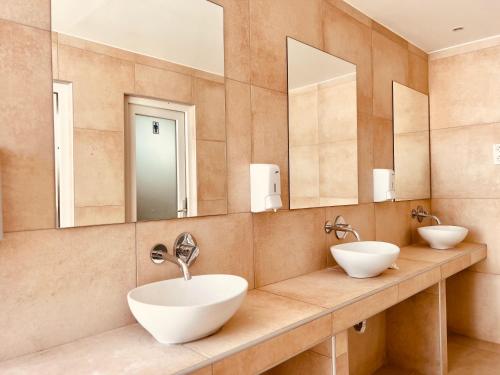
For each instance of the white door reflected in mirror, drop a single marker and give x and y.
(160, 160)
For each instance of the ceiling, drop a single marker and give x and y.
(308, 65)
(189, 33)
(428, 23)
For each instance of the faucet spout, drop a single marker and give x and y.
(346, 229)
(420, 213)
(354, 232)
(436, 219)
(341, 229)
(182, 265)
(185, 269)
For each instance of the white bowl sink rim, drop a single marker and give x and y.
(370, 248)
(365, 259)
(443, 228)
(240, 286)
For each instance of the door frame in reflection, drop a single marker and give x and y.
(62, 93)
(168, 110)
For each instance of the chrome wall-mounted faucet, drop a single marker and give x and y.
(341, 228)
(185, 253)
(420, 213)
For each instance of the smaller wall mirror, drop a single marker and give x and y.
(411, 143)
(322, 130)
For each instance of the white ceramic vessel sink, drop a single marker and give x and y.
(176, 311)
(365, 258)
(443, 237)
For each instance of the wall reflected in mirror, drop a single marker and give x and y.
(139, 110)
(322, 115)
(411, 143)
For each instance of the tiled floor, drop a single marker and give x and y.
(472, 357)
(466, 356)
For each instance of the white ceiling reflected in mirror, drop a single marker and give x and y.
(411, 143)
(139, 110)
(188, 33)
(323, 146)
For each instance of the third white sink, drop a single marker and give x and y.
(442, 237)
(365, 258)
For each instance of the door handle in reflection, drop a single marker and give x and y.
(182, 213)
(184, 204)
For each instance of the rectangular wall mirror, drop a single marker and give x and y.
(411, 143)
(322, 128)
(139, 110)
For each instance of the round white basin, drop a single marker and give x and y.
(442, 237)
(176, 311)
(365, 258)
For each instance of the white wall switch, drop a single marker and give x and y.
(496, 153)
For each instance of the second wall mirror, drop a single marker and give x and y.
(139, 110)
(411, 143)
(323, 138)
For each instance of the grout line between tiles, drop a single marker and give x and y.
(465, 126)
(27, 25)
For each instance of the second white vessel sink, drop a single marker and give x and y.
(365, 258)
(442, 237)
(176, 311)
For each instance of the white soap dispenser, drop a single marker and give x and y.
(383, 185)
(265, 187)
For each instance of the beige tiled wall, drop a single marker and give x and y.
(60, 285)
(367, 351)
(413, 333)
(35, 13)
(225, 243)
(26, 140)
(317, 360)
(55, 282)
(465, 123)
(308, 362)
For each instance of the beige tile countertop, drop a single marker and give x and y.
(274, 323)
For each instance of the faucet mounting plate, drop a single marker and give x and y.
(158, 253)
(339, 222)
(186, 249)
(418, 213)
